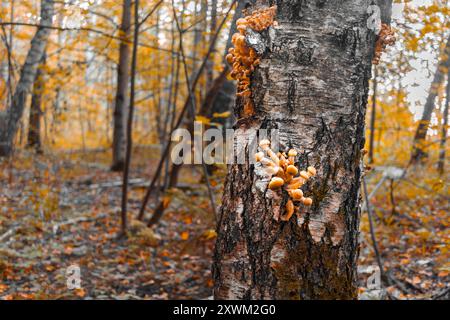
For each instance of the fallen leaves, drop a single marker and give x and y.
(184, 235)
(414, 245)
(3, 288)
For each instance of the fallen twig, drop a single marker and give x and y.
(8, 234)
(443, 294)
(56, 227)
(372, 232)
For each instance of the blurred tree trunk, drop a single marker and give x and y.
(9, 52)
(212, 30)
(418, 153)
(120, 108)
(311, 85)
(27, 76)
(129, 122)
(34, 123)
(441, 162)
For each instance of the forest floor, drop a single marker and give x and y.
(63, 211)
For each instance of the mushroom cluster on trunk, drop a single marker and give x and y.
(285, 176)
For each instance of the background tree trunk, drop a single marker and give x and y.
(120, 108)
(212, 30)
(27, 77)
(34, 123)
(418, 153)
(129, 123)
(441, 162)
(312, 86)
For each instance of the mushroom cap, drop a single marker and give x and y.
(242, 28)
(292, 153)
(292, 170)
(241, 21)
(312, 171)
(297, 194)
(307, 201)
(296, 183)
(235, 36)
(272, 170)
(304, 175)
(276, 183)
(259, 156)
(229, 58)
(264, 143)
(267, 162)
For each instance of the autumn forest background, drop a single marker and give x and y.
(62, 196)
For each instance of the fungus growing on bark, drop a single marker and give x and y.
(285, 179)
(386, 37)
(244, 58)
(296, 194)
(276, 183)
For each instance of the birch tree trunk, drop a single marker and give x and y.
(34, 123)
(27, 76)
(120, 107)
(311, 85)
(418, 152)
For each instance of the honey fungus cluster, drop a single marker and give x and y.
(243, 58)
(285, 175)
(386, 37)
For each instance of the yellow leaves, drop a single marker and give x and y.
(184, 235)
(22, 36)
(428, 28)
(68, 250)
(405, 261)
(412, 44)
(434, 8)
(80, 292)
(444, 273)
(437, 185)
(166, 201)
(50, 268)
(209, 234)
(225, 114)
(3, 288)
(424, 234)
(148, 237)
(444, 270)
(202, 119)
(415, 280)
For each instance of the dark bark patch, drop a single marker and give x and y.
(292, 88)
(348, 39)
(303, 54)
(290, 10)
(290, 50)
(321, 3)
